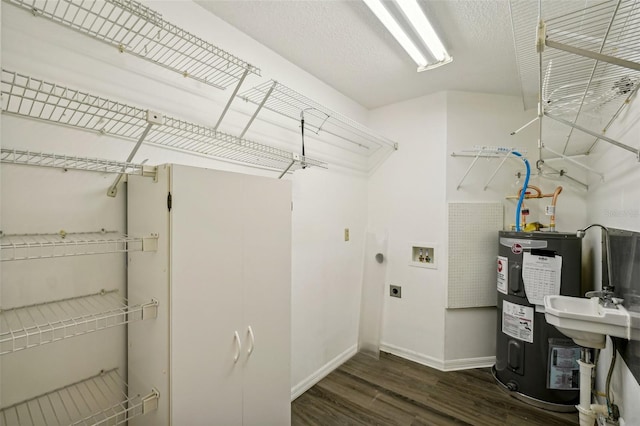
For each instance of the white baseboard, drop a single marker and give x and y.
(438, 364)
(322, 372)
(468, 363)
(413, 356)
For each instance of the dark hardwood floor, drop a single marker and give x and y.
(394, 391)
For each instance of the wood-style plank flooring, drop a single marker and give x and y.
(394, 391)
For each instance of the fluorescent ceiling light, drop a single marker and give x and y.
(423, 27)
(420, 24)
(385, 17)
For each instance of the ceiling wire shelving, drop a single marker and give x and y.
(45, 246)
(134, 28)
(592, 66)
(276, 97)
(34, 98)
(583, 63)
(35, 325)
(98, 400)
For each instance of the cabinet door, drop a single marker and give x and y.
(267, 301)
(206, 310)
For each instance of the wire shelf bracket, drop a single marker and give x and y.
(99, 400)
(278, 98)
(35, 325)
(29, 97)
(486, 152)
(62, 244)
(68, 162)
(133, 28)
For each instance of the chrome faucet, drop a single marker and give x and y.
(606, 297)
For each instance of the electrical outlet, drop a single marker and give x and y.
(395, 291)
(346, 234)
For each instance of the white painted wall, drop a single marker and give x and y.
(407, 199)
(614, 203)
(327, 271)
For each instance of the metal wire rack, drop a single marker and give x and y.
(33, 98)
(68, 162)
(136, 29)
(574, 83)
(62, 244)
(590, 65)
(34, 325)
(276, 97)
(99, 400)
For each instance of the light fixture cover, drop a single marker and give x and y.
(396, 31)
(419, 22)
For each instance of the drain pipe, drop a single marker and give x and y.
(587, 411)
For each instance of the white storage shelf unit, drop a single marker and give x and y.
(29, 264)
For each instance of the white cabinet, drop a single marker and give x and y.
(220, 348)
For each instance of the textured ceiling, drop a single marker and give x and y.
(344, 45)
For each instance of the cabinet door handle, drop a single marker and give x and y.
(252, 341)
(238, 347)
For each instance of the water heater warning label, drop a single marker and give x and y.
(517, 321)
(503, 274)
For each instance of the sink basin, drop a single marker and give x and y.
(586, 321)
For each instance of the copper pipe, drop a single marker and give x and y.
(552, 220)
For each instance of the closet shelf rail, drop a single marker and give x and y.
(33, 98)
(134, 28)
(99, 400)
(68, 162)
(34, 325)
(62, 244)
(281, 99)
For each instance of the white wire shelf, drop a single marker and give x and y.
(99, 400)
(589, 68)
(281, 99)
(34, 325)
(67, 162)
(33, 98)
(134, 28)
(575, 83)
(62, 244)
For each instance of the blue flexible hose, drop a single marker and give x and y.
(524, 189)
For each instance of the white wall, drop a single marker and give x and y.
(614, 203)
(326, 270)
(407, 199)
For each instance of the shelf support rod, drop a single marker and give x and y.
(594, 55)
(287, 169)
(577, 163)
(473, 163)
(255, 114)
(233, 95)
(113, 189)
(496, 171)
(597, 135)
(627, 101)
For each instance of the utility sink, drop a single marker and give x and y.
(586, 321)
